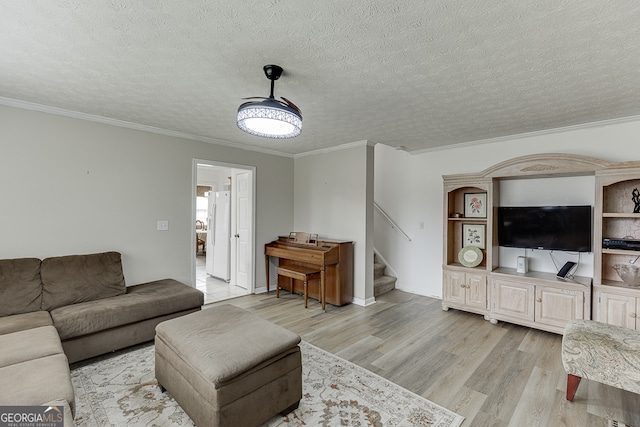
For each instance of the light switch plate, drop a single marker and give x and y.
(163, 225)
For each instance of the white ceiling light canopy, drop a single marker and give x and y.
(270, 118)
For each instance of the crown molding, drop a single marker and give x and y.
(335, 148)
(9, 102)
(582, 126)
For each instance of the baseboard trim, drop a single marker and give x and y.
(364, 302)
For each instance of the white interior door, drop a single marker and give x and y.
(211, 238)
(243, 182)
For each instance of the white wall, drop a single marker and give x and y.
(213, 176)
(409, 188)
(71, 186)
(565, 191)
(334, 199)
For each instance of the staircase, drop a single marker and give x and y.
(381, 283)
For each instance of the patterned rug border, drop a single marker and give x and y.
(455, 423)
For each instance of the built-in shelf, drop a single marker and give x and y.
(621, 252)
(614, 301)
(620, 215)
(459, 266)
(543, 276)
(618, 284)
(474, 220)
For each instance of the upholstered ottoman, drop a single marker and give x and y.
(228, 367)
(600, 352)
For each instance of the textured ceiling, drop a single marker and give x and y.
(416, 74)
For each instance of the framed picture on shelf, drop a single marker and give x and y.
(473, 235)
(475, 205)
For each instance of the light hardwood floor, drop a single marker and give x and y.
(494, 375)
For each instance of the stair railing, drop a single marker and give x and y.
(391, 222)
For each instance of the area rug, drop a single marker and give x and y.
(121, 389)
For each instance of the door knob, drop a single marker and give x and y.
(236, 235)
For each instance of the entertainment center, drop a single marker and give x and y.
(474, 279)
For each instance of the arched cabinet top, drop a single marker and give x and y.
(541, 165)
(546, 165)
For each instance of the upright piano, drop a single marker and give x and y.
(333, 258)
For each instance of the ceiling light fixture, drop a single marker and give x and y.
(270, 118)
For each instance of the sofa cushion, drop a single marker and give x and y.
(141, 302)
(35, 381)
(20, 322)
(28, 345)
(78, 278)
(20, 286)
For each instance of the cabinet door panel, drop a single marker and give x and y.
(454, 286)
(477, 290)
(513, 299)
(617, 310)
(556, 307)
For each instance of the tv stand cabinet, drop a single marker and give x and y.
(540, 300)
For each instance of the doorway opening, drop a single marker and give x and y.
(224, 224)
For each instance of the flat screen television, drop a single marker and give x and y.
(561, 228)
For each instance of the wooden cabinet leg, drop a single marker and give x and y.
(323, 287)
(572, 386)
(305, 292)
(266, 265)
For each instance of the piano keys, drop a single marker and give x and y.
(333, 258)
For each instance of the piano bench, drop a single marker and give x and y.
(303, 273)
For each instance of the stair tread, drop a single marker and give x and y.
(378, 269)
(383, 284)
(384, 279)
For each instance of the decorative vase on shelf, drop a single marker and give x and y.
(629, 273)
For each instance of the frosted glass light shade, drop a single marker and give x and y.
(269, 119)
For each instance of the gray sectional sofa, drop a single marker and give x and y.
(65, 309)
